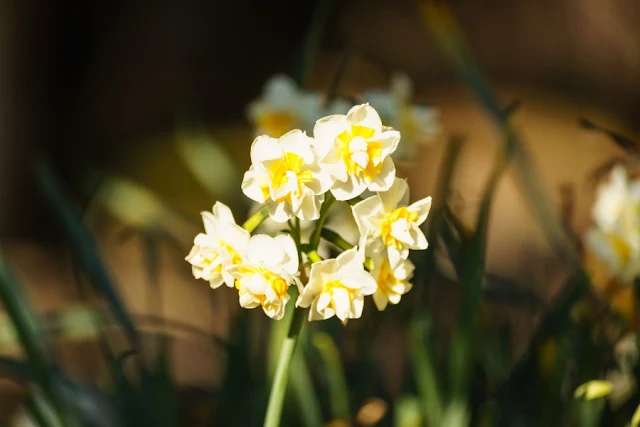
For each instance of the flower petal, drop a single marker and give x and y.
(265, 148)
(422, 207)
(384, 180)
(366, 116)
(352, 187)
(325, 132)
(396, 196)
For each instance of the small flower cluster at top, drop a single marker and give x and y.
(615, 236)
(284, 106)
(298, 178)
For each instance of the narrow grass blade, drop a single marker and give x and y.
(27, 327)
(442, 24)
(424, 371)
(83, 243)
(338, 388)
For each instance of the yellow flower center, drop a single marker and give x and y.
(373, 151)
(330, 288)
(278, 173)
(387, 225)
(620, 247)
(386, 280)
(276, 123)
(277, 283)
(235, 257)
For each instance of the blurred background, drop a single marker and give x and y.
(141, 110)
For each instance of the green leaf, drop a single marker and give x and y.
(82, 242)
(19, 370)
(427, 266)
(27, 327)
(338, 388)
(424, 371)
(442, 24)
(160, 400)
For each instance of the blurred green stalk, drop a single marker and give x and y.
(338, 388)
(281, 379)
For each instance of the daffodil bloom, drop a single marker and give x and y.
(619, 253)
(355, 151)
(392, 283)
(223, 244)
(337, 287)
(388, 219)
(615, 238)
(282, 107)
(285, 174)
(271, 266)
(419, 124)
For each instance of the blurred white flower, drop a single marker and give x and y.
(223, 244)
(355, 151)
(419, 124)
(271, 266)
(282, 107)
(386, 218)
(285, 174)
(392, 283)
(340, 220)
(615, 238)
(337, 287)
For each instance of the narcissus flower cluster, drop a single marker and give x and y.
(297, 179)
(615, 236)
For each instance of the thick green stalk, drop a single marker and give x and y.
(324, 212)
(333, 237)
(256, 219)
(281, 379)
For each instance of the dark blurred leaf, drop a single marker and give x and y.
(160, 400)
(27, 326)
(501, 290)
(19, 370)
(41, 411)
(82, 242)
(448, 36)
(426, 267)
(624, 142)
(338, 388)
(91, 407)
(424, 370)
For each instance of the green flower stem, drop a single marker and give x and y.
(281, 378)
(333, 237)
(256, 219)
(313, 256)
(336, 239)
(355, 200)
(324, 212)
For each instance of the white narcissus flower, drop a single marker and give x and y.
(271, 266)
(616, 236)
(419, 124)
(282, 107)
(392, 283)
(285, 174)
(337, 287)
(387, 219)
(355, 151)
(621, 256)
(223, 244)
